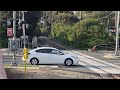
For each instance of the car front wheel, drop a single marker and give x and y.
(68, 62)
(34, 61)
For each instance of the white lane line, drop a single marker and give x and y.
(92, 68)
(48, 66)
(55, 66)
(101, 61)
(107, 67)
(101, 66)
(83, 59)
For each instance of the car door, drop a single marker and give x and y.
(43, 55)
(55, 57)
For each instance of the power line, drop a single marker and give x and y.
(106, 16)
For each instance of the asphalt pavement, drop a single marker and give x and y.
(80, 68)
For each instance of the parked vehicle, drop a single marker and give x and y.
(50, 55)
(105, 47)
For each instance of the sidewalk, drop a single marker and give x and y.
(112, 56)
(2, 70)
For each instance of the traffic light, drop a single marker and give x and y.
(3, 23)
(9, 23)
(27, 26)
(20, 22)
(6, 23)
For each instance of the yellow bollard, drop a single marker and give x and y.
(25, 56)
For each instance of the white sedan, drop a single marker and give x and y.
(50, 55)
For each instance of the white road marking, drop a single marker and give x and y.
(48, 66)
(92, 68)
(97, 65)
(101, 61)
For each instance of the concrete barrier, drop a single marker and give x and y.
(2, 70)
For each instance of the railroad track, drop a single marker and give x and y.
(54, 44)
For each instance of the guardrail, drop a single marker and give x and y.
(2, 70)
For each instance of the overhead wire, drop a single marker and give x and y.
(106, 16)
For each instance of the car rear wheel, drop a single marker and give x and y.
(34, 61)
(68, 62)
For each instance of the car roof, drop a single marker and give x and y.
(45, 48)
(42, 48)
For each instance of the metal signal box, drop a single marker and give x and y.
(14, 45)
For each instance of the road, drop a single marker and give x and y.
(97, 65)
(85, 69)
(92, 65)
(7, 60)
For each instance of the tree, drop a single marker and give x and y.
(51, 17)
(89, 31)
(32, 17)
(3, 29)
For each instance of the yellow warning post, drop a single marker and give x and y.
(25, 56)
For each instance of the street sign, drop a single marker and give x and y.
(9, 32)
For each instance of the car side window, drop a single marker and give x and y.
(37, 50)
(53, 51)
(43, 51)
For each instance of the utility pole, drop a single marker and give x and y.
(14, 37)
(117, 33)
(23, 26)
(14, 25)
